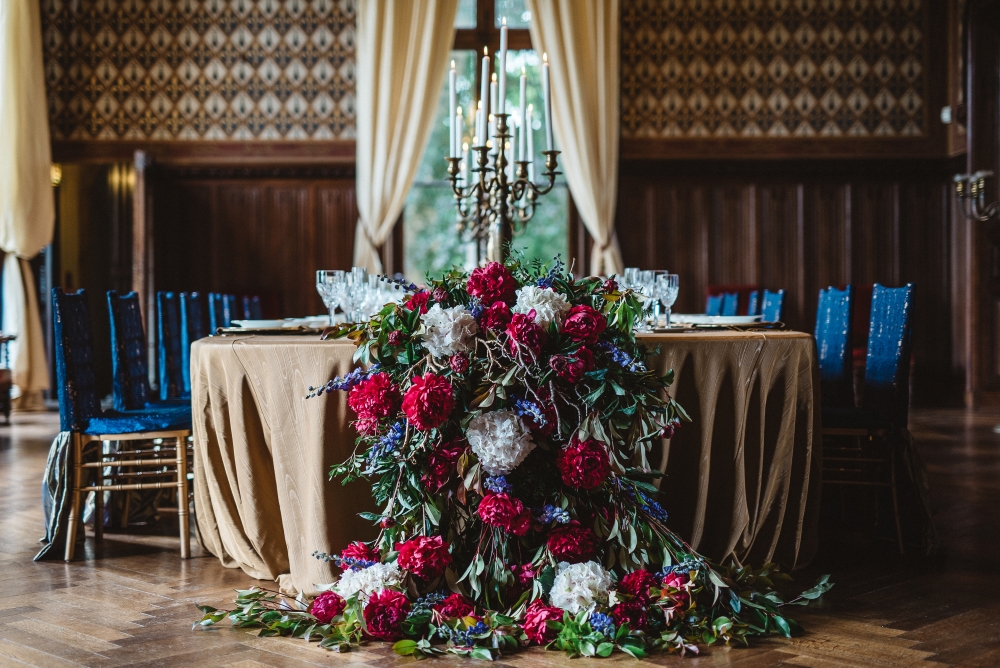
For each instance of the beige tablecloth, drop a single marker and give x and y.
(745, 482)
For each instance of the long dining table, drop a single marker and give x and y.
(742, 479)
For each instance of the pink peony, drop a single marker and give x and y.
(360, 551)
(441, 465)
(384, 614)
(506, 512)
(525, 334)
(637, 584)
(675, 588)
(632, 613)
(572, 367)
(429, 401)
(418, 301)
(326, 606)
(584, 465)
(426, 558)
(496, 316)
(535, 618)
(584, 323)
(492, 283)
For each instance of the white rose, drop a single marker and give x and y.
(500, 441)
(367, 581)
(578, 586)
(448, 331)
(549, 305)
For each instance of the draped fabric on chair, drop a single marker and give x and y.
(581, 40)
(402, 53)
(27, 208)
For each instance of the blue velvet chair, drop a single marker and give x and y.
(834, 318)
(192, 328)
(713, 305)
(170, 348)
(753, 303)
(158, 466)
(251, 307)
(730, 303)
(221, 311)
(770, 311)
(875, 430)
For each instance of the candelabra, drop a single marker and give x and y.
(971, 192)
(492, 207)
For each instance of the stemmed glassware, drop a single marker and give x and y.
(358, 293)
(329, 284)
(667, 287)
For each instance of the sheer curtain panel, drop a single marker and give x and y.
(27, 209)
(402, 53)
(581, 40)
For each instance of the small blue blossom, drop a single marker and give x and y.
(349, 563)
(388, 443)
(476, 307)
(603, 624)
(427, 602)
(550, 513)
(527, 408)
(498, 484)
(464, 638)
(683, 568)
(346, 383)
(622, 358)
(653, 508)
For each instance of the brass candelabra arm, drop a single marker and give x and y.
(970, 189)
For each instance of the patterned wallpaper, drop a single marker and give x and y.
(199, 69)
(718, 68)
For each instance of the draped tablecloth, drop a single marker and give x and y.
(741, 480)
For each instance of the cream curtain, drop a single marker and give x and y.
(402, 54)
(581, 40)
(27, 209)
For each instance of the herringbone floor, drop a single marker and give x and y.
(131, 603)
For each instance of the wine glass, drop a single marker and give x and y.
(352, 297)
(328, 283)
(630, 279)
(667, 287)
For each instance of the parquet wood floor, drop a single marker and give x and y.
(131, 602)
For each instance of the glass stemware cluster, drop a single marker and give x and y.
(657, 285)
(357, 293)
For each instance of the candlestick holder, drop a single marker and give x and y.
(971, 192)
(493, 208)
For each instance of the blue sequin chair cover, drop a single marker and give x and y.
(251, 307)
(221, 310)
(887, 365)
(730, 303)
(834, 316)
(713, 305)
(192, 328)
(770, 311)
(753, 303)
(169, 351)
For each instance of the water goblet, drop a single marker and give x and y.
(328, 285)
(668, 285)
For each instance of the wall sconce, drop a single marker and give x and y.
(55, 174)
(971, 192)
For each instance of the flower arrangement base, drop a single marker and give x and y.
(505, 418)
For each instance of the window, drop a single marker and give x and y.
(431, 242)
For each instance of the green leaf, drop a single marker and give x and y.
(482, 653)
(433, 514)
(405, 647)
(605, 649)
(782, 625)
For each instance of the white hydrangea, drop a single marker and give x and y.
(579, 586)
(500, 441)
(549, 305)
(448, 331)
(368, 581)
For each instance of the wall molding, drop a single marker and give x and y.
(222, 153)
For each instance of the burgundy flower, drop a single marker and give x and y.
(459, 363)
(496, 316)
(455, 606)
(632, 613)
(506, 512)
(441, 465)
(534, 622)
(675, 588)
(610, 285)
(548, 411)
(396, 338)
(384, 614)
(429, 401)
(427, 558)
(524, 573)
(573, 543)
(584, 323)
(360, 551)
(572, 367)
(375, 397)
(525, 334)
(418, 301)
(326, 606)
(670, 429)
(637, 584)
(584, 464)
(492, 283)
(440, 295)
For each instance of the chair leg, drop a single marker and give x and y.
(182, 498)
(76, 452)
(895, 502)
(99, 513)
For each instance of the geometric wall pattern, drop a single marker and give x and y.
(725, 68)
(200, 69)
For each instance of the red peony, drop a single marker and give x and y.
(440, 295)
(424, 557)
(495, 317)
(584, 465)
(360, 551)
(459, 363)
(572, 367)
(418, 301)
(396, 338)
(632, 613)
(573, 543)
(455, 606)
(525, 334)
(384, 614)
(675, 588)
(375, 397)
(637, 584)
(429, 401)
(326, 606)
(441, 464)
(535, 618)
(506, 512)
(492, 283)
(584, 323)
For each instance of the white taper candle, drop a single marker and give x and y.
(452, 101)
(501, 109)
(530, 131)
(547, 98)
(523, 115)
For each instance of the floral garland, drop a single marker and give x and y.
(505, 419)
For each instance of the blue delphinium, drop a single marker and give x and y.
(348, 563)
(465, 638)
(655, 510)
(387, 443)
(622, 358)
(528, 408)
(428, 601)
(476, 307)
(603, 624)
(346, 383)
(550, 513)
(683, 568)
(498, 484)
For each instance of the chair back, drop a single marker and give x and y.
(169, 351)
(76, 372)
(251, 307)
(887, 365)
(770, 311)
(192, 329)
(129, 364)
(753, 303)
(730, 303)
(834, 318)
(713, 305)
(221, 309)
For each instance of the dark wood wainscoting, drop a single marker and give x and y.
(803, 226)
(258, 231)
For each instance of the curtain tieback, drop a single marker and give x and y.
(604, 247)
(368, 236)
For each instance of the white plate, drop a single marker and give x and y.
(314, 322)
(258, 324)
(702, 319)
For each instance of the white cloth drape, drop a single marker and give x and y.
(402, 53)
(581, 40)
(27, 208)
